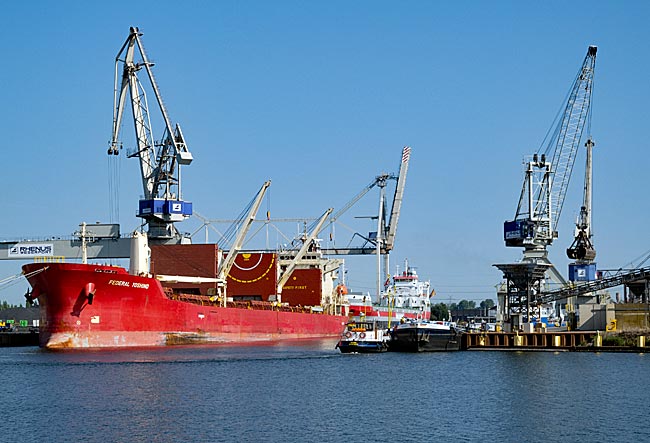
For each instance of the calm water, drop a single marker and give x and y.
(310, 392)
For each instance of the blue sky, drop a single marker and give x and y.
(320, 98)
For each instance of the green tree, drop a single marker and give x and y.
(487, 303)
(439, 311)
(6, 305)
(466, 304)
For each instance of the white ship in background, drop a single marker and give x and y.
(405, 297)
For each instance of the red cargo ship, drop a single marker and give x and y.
(180, 293)
(95, 306)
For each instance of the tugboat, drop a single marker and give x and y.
(425, 336)
(363, 338)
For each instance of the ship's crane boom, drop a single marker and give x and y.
(397, 199)
(159, 161)
(546, 182)
(229, 261)
(307, 243)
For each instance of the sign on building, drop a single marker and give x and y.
(31, 250)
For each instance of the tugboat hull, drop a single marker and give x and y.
(425, 337)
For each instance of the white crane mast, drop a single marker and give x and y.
(397, 199)
(582, 249)
(586, 219)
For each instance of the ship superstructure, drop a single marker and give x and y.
(406, 296)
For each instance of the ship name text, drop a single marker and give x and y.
(128, 284)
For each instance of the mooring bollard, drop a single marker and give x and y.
(519, 340)
(598, 340)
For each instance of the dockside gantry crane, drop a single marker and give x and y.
(386, 232)
(160, 164)
(160, 161)
(548, 174)
(541, 200)
(382, 241)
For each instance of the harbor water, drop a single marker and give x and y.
(308, 391)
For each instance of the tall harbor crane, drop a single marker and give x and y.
(391, 228)
(546, 181)
(386, 232)
(382, 241)
(160, 161)
(385, 236)
(548, 174)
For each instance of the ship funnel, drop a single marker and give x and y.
(140, 255)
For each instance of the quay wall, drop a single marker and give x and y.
(550, 341)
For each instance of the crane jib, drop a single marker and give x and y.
(547, 179)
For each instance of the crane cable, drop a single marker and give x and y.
(113, 188)
(229, 235)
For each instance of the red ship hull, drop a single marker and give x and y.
(96, 306)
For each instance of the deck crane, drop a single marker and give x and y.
(548, 174)
(226, 264)
(160, 161)
(307, 243)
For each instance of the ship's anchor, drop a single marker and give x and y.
(28, 297)
(89, 292)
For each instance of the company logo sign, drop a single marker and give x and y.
(31, 250)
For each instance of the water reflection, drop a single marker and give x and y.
(303, 391)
